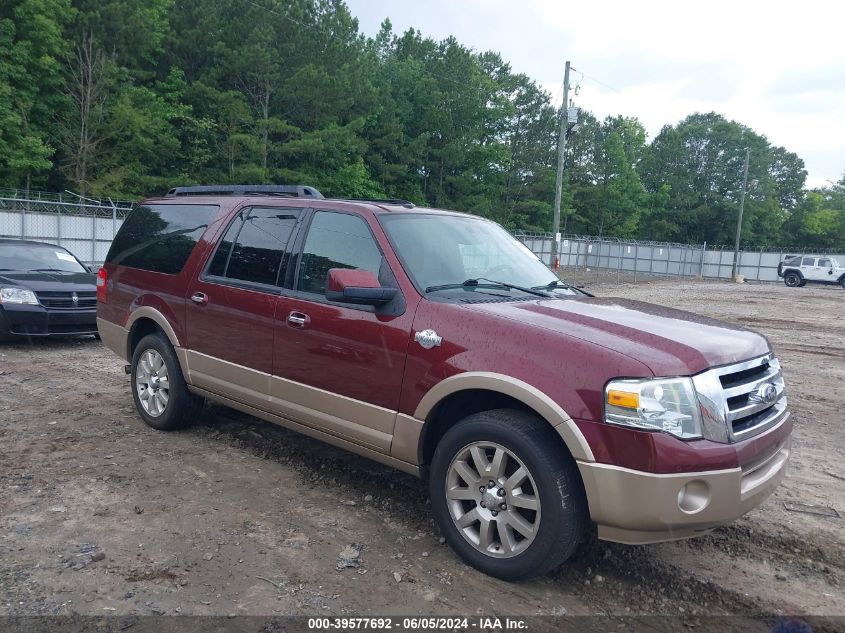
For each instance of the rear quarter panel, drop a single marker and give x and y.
(132, 288)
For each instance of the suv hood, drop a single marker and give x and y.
(670, 342)
(55, 281)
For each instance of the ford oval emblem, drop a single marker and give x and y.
(768, 393)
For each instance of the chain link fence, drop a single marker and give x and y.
(85, 227)
(620, 260)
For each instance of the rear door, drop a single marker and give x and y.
(338, 367)
(232, 305)
(809, 269)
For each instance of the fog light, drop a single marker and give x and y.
(694, 496)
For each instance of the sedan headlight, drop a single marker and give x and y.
(660, 404)
(18, 295)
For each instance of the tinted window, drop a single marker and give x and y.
(825, 263)
(221, 257)
(808, 261)
(262, 242)
(160, 237)
(336, 240)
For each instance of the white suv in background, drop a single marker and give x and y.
(797, 270)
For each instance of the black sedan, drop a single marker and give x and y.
(44, 291)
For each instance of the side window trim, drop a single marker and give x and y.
(290, 289)
(307, 230)
(242, 215)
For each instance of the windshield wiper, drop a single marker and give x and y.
(557, 283)
(469, 283)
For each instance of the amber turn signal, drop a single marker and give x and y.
(623, 399)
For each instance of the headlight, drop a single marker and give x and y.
(18, 295)
(660, 404)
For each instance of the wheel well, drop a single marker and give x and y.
(141, 328)
(455, 408)
(786, 271)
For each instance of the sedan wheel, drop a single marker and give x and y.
(493, 500)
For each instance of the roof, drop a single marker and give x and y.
(237, 194)
(377, 207)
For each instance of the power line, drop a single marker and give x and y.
(598, 81)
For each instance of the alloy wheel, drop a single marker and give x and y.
(152, 383)
(493, 500)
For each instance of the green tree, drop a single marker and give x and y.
(32, 50)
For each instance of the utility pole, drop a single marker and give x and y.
(561, 147)
(739, 219)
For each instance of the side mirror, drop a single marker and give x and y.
(357, 286)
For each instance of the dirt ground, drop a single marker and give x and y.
(100, 514)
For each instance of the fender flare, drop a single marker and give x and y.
(529, 395)
(147, 312)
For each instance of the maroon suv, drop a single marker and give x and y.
(434, 342)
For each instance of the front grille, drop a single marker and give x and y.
(62, 299)
(748, 396)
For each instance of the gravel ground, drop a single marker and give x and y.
(101, 515)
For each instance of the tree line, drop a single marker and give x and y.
(127, 98)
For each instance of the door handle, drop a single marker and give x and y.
(297, 319)
(199, 297)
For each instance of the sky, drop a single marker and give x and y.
(776, 66)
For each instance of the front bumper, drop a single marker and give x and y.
(32, 320)
(636, 507)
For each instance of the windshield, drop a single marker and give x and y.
(31, 257)
(448, 250)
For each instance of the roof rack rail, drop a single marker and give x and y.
(399, 202)
(294, 191)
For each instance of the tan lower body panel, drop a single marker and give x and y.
(636, 507)
(312, 432)
(352, 420)
(113, 336)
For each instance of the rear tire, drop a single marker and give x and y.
(842, 281)
(158, 387)
(792, 279)
(536, 492)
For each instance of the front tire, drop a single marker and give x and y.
(507, 496)
(158, 387)
(792, 279)
(842, 281)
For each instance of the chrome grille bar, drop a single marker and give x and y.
(752, 401)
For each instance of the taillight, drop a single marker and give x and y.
(102, 293)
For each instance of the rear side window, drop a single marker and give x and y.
(336, 240)
(825, 263)
(808, 261)
(256, 246)
(160, 237)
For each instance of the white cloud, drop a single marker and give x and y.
(775, 66)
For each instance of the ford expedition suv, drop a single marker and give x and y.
(436, 343)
